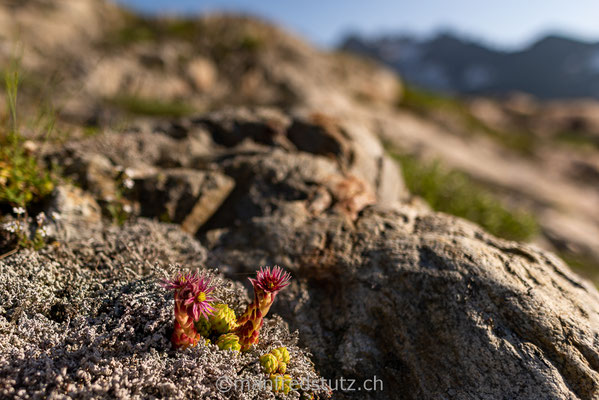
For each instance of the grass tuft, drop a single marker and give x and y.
(455, 193)
(23, 180)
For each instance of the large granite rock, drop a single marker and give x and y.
(182, 170)
(188, 197)
(429, 304)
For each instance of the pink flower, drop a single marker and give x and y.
(192, 300)
(193, 290)
(198, 300)
(271, 281)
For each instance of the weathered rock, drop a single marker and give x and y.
(202, 73)
(70, 211)
(428, 303)
(178, 166)
(233, 126)
(351, 195)
(93, 171)
(389, 182)
(349, 141)
(183, 196)
(320, 135)
(351, 145)
(73, 204)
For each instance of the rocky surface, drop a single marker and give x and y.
(134, 65)
(428, 303)
(182, 173)
(188, 197)
(433, 306)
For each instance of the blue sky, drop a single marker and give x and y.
(505, 23)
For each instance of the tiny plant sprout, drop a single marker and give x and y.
(228, 341)
(276, 361)
(269, 363)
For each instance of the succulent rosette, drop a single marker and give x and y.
(276, 361)
(269, 363)
(282, 354)
(228, 341)
(280, 383)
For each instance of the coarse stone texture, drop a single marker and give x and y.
(188, 197)
(429, 303)
(183, 171)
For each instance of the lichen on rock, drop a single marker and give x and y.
(101, 329)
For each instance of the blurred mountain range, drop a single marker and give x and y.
(552, 67)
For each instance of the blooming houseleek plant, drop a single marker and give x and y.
(192, 301)
(266, 286)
